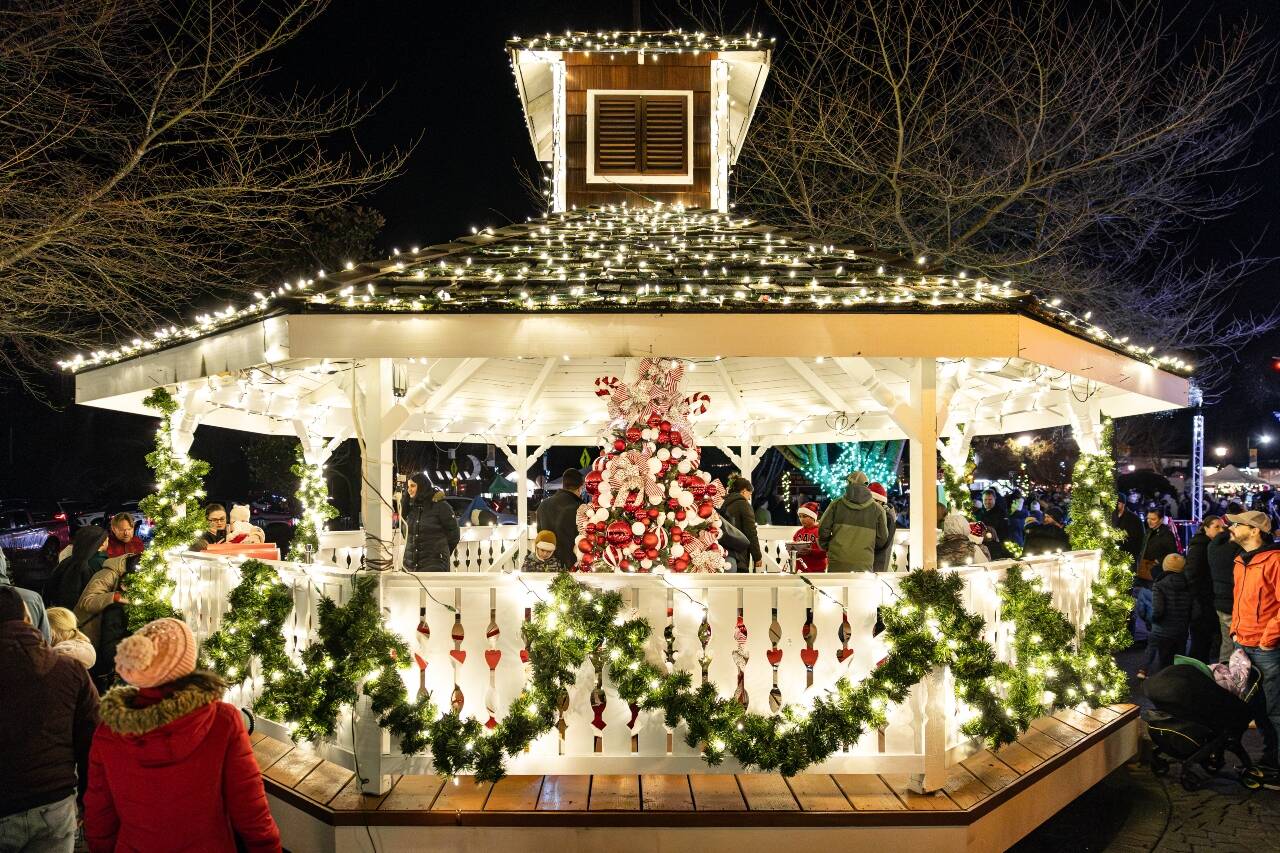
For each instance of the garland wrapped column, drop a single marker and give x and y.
(1093, 500)
(313, 495)
(173, 508)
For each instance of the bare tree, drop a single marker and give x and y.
(1075, 152)
(145, 162)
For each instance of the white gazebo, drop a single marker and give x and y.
(499, 336)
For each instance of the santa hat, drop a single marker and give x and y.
(810, 509)
(878, 492)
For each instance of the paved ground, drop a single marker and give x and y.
(1133, 811)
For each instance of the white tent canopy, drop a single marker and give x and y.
(1233, 476)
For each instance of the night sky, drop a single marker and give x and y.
(449, 88)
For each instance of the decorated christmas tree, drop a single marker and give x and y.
(651, 508)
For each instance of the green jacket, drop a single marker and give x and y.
(851, 530)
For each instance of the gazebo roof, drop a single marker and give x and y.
(641, 259)
(631, 41)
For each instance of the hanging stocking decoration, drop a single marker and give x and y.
(775, 657)
(459, 657)
(808, 655)
(421, 647)
(598, 701)
(491, 657)
(740, 658)
(704, 637)
(844, 652)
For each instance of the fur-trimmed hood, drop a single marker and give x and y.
(165, 731)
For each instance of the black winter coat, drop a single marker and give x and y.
(1221, 554)
(559, 514)
(737, 510)
(1131, 526)
(1170, 606)
(432, 534)
(885, 553)
(1044, 539)
(998, 522)
(1199, 581)
(1159, 543)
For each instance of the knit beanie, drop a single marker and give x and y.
(547, 536)
(857, 478)
(1174, 563)
(239, 512)
(160, 652)
(80, 650)
(879, 493)
(810, 509)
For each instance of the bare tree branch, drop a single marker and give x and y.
(146, 164)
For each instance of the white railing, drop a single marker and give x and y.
(922, 736)
(501, 547)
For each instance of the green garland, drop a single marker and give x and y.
(173, 509)
(1093, 500)
(956, 486)
(313, 495)
(252, 628)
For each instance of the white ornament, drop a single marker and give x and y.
(706, 477)
(663, 455)
(648, 434)
(655, 499)
(674, 489)
(600, 515)
(686, 499)
(677, 452)
(655, 465)
(684, 467)
(637, 528)
(646, 563)
(677, 550)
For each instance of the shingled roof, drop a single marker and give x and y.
(648, 259)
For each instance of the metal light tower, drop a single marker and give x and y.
(1196, 398)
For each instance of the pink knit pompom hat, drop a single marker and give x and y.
(159, 652)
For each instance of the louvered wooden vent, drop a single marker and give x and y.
(641, 135)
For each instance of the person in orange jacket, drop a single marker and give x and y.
(1255, 618)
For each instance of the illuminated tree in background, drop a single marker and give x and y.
(877, 459)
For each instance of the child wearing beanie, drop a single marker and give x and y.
(67, 638)
(170, 760)
(814, 559)
(1171, 601)
(542, 556)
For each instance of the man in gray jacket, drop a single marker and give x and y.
(853, 528)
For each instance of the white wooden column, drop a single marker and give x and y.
(1085, 418)
(373, 401)
(522, 483)
(923, 533)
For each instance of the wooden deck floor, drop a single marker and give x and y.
(975, 786)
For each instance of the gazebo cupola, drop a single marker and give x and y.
(639, 117)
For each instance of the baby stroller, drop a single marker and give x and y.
(1196, 722)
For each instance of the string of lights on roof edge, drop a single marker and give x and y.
(636, 259)
(643, 41)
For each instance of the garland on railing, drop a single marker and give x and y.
(313, 495)
(927, 627)
(252, 629)
(1093, 500)
(172, 508)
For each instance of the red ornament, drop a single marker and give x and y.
(652, 553)
(619, 445)
(653, 513)
(633, 434)
(679, 564)
(677, 533)
(618, 533)
(654, 420)
(633, 502)
(680, 515)
(601, 538)
(584, 544)
(672, 503)
(697, 488)
(625, 565)
(676, 438)
(592, 482)
(705, 510)
(712, 491)
(650, 539)
(665, 426)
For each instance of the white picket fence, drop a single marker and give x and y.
(783, 616)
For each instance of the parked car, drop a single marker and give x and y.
(32, 534)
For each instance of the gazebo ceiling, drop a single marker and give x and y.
(551, 399)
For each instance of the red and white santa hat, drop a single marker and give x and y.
(810, 509)
(879, 493)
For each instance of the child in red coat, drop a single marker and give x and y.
(815, 559)
(171, 765)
